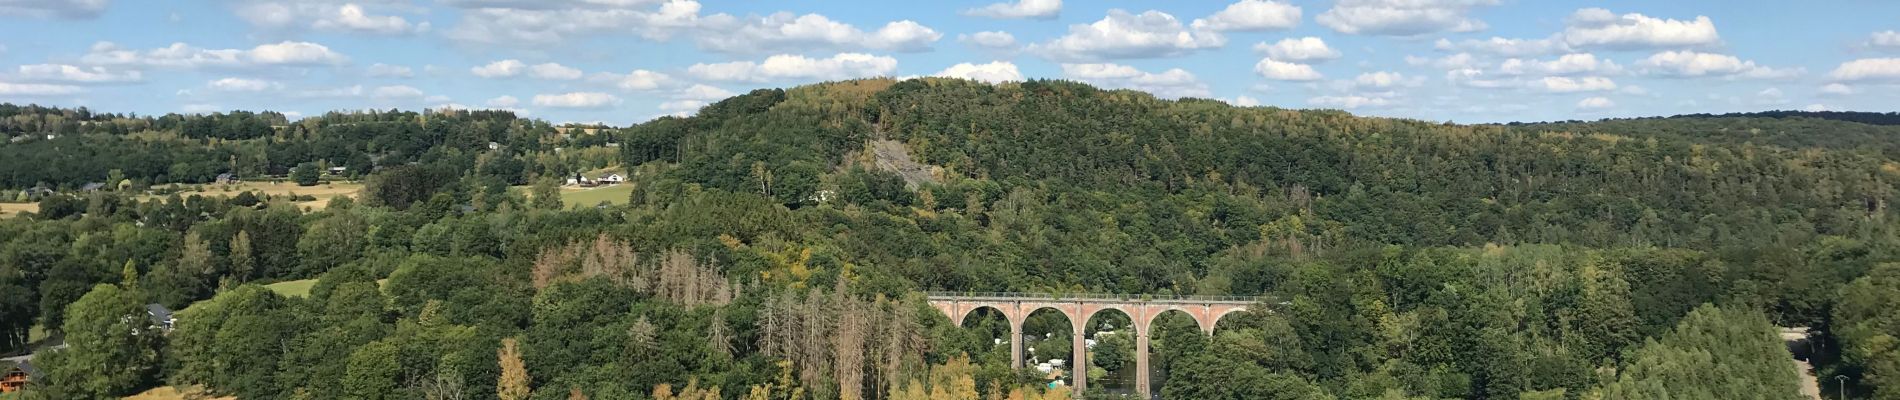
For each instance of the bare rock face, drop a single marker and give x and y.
(891, 155)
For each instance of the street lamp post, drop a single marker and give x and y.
(1843, 380)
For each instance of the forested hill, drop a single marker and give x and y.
(766, 247)
(1874, 132)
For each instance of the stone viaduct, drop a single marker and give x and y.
(1016, 307)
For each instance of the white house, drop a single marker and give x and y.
(612, 179)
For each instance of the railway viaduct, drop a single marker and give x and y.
(1016, 307)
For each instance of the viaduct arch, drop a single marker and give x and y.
(1016, 307)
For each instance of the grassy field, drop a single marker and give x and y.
(14, 209)
(297, 288)
(322, 191)
(589, 197)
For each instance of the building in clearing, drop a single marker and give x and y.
(18, 375)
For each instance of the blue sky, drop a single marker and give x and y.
(626, 61)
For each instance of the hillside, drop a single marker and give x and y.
(778, 241)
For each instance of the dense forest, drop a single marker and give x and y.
(766, 251)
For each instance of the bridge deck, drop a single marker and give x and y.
(1092, 298)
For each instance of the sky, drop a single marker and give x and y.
(626, 61)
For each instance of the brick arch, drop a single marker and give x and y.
(1134, 318)
(970, 310)
(1156, 311)
(1219, 312)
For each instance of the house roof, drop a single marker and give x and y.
(158, 312)
(29, 369)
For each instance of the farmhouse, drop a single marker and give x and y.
(18, 375)
(161, 316)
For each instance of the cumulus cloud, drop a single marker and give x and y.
(1691, 64)
(553, 71)
(1562, 84)
(1385, 80)
(1349, 101)
(1477, 78)
(334, 16)
(1029, 9)
(991, 40)
(1286, 71)
(500, 69)
(1126, 35)
(1595, 103)
(1245, 101)
(576, 100)
(1252, 15)
(1885, 40)
(785, 30)
(243, 85)
(992, 72)
(1568, 64)
(504, 102)
(54, 8)
(395, 92)
(1837, 89)
(1596, 27)
(381, 70)
(797, 67)
(703, 92)
(1503, 46)
(636, 80)
(37, 89)
(1173, 83)
(1868, 69)
(76, 74)
(1402, 17)
(180, 55)
(1306, 49)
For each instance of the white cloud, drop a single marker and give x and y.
(1173, 83)
(1032, 9)
(1349, 101)
(1286, 71)
(682, 105)
(704, 92)
(1561, 84)
(54, 8)
(1770, 96)
(1451, 62)
(1244, 101)
(1402, 17)
(553, 71)
(576, 100)
(341, 92)
(1595, 103)
(352, 18)
(1569, 64)
(1252, 15)
(1477, 78)
(180, 55)
(992, 40)
(1306, 49)
(1889, 40)
(534, 23)
(797, 67)
(1837, 89)
(993, 72)
(1868, 69)
(1503, 46)
(37, 89)
(1596, 27)
(395, 92)
(243, 85)
(780, 31)
(1124, 35)
(1691, 64)
(1385, 80)
(636, 80)
(504, 102)
(295, 53)
(1817, 107)
(76, 74)
(382, 70)
(500, 69)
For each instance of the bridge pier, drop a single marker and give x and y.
(1016, 308)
